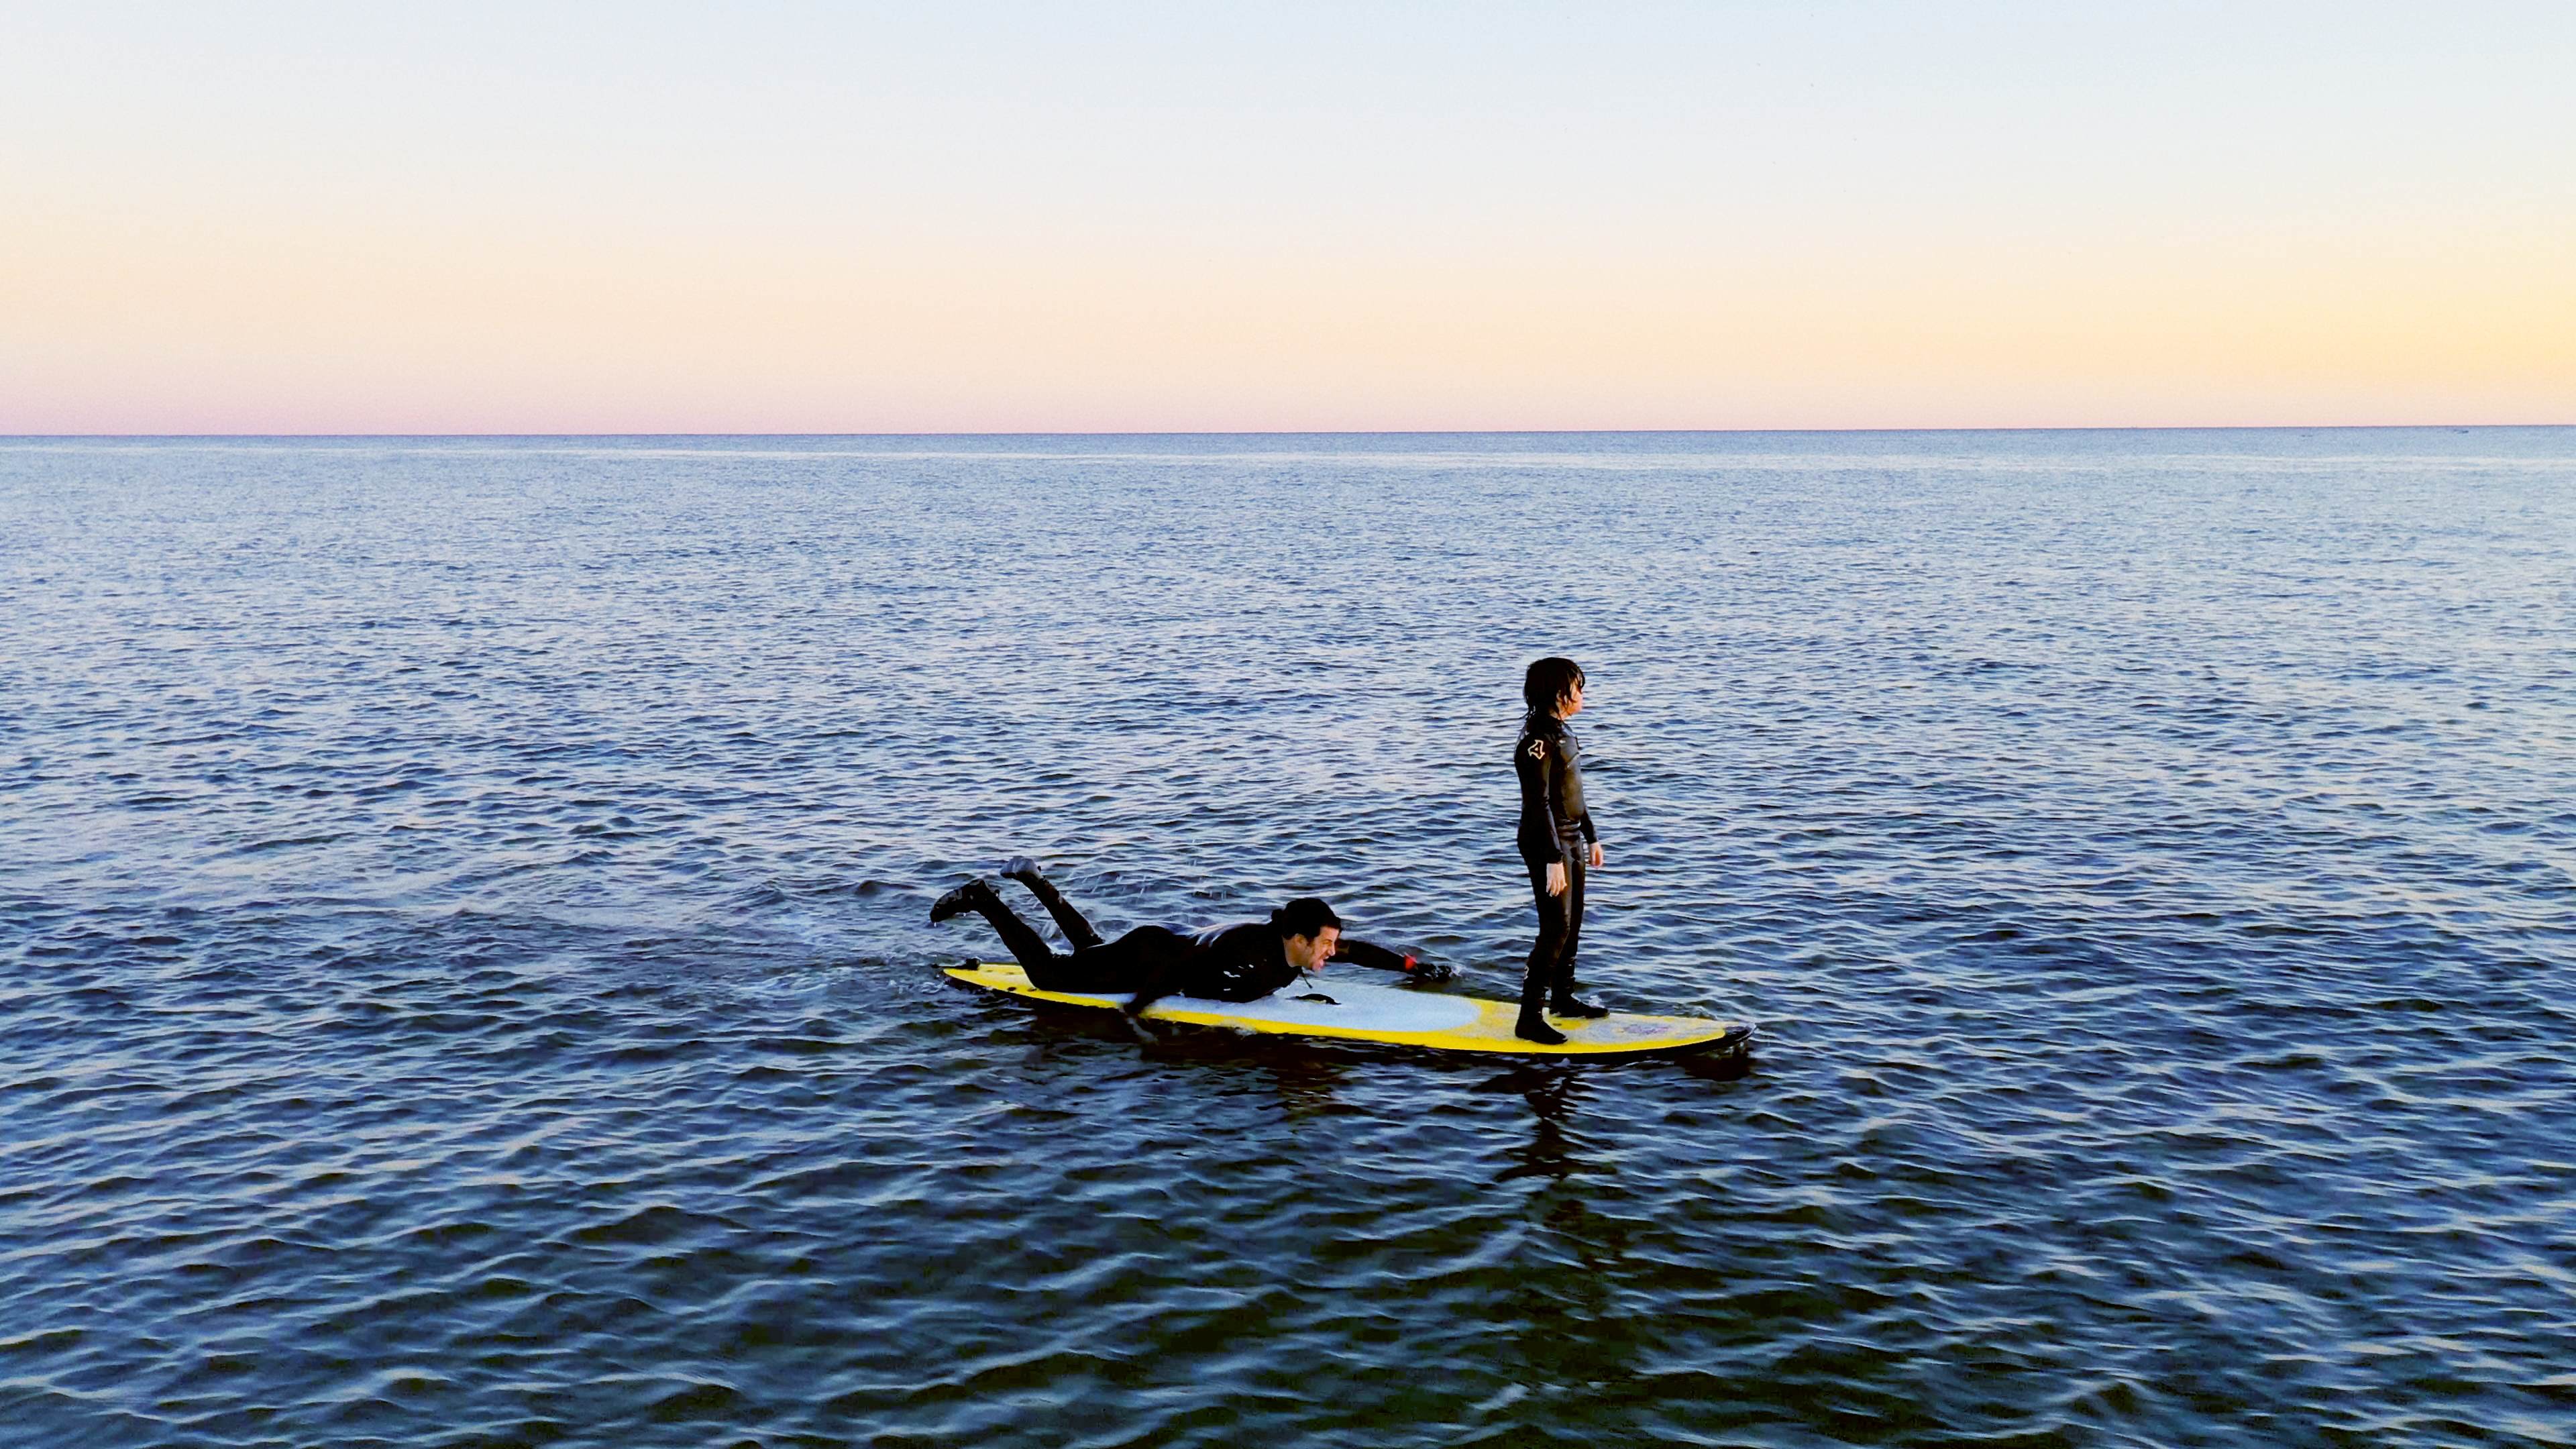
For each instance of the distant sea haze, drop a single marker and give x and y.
(469, 978)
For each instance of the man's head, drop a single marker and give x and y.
(1550, 681)
(1308, 931)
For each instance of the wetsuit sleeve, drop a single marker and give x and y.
(1155, 986)
(1537, 764)
(1378, 958)
(1364, 953)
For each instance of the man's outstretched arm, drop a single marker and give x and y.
(1363, 953)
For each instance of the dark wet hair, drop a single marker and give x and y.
(1304, 916)
(1550, 680)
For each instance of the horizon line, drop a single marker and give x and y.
(1333, 432)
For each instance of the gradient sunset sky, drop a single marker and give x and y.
(458, 217)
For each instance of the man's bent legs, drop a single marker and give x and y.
(1077, 931)
(1106, 970)
(1018, 937)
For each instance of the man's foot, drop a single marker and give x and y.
(1020, 868)
(1572, 1005)
(957, 901)
(1534, 1027)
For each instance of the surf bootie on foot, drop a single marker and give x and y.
(1570, 1004)
(1020, 868)
(1534, 1027)
(965, 898)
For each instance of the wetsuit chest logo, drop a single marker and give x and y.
(1538, 749)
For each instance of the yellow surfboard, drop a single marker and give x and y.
(1358, 1010)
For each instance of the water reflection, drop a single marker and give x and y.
(1304, 1083)
(1553, 1094)
(1727, 1066)
(1556, 1091)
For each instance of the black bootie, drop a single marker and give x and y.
(1532, 1026)
(1566, 1003)
(968, 897)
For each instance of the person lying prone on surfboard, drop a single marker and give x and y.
(1227, 963)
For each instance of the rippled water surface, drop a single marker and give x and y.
(468, 979)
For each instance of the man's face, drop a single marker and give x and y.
(1308, 953)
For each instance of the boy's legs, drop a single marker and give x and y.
(1561, 1000)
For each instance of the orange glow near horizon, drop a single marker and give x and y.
(428, 297)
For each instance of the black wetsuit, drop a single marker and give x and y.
(1227, 963)
(1555, 829)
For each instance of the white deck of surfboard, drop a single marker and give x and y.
(1363, 1005)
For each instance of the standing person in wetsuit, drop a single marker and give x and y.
(1230, 963)
(1556, 842)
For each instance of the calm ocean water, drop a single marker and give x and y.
(468, 979)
